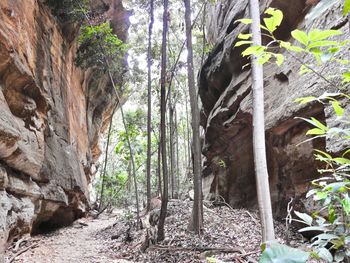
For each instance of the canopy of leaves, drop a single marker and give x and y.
(68, 10)
(99, 46)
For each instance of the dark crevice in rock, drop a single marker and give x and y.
(281, 77)
(341, 24)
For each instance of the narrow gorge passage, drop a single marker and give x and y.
(77, 243)
(233, 235)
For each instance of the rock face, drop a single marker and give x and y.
(225, 91)
(49, 126)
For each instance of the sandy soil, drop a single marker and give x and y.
(229, 235)
(73, 244)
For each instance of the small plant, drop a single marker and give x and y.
(330, 191)
(275, 252)
(99, 48)
(221, 163)
(69, 10)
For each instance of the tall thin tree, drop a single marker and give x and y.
(196, 222)
(149, 105)
(171, 145)
(261, 174)
(163, 210)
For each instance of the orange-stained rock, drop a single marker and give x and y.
(52, 114)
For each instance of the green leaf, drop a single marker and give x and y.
(320, 196)
(243, 42)
(324, 254)
(318, 124)
(346, 77)
(246, 21)
(275, 20)
(315, 131)
(340, 160)
(327, 155)
(278, 253)
(346, 152)
(346, 8)
(325, 236)
(290, 47)
(317, 35)
(322, 43)
(244, 36)
(300, 36)
(312, 228)
(265, 57)
(279, 59)
(305, 100)
(346, 205)
(304, 217)
(337, 108)
(253, 50)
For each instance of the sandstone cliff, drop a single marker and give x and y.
(225, 90)
(49, 127)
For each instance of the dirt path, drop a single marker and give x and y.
(73, 244)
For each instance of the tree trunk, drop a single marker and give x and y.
(171, 148)
(196, 222)
(188, 132)
(106, 158)
(158, 171)
(149, 106)
(261, 174)
(177, 174)
(163, 210)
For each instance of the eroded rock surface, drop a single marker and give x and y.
(52, 114)
(225, 91)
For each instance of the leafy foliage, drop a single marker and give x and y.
(331, 190)
(317, 43)
(98, 47)
(68, 10)
(279, 253)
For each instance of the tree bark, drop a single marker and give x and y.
(149, 107)
(171, 148)
(177, 169)
(158, 170)
(196, 222)
(261, 174)
(163, 210)
(106, 157)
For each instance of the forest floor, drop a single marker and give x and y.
(229, 235)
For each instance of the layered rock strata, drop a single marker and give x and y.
(52, 114)
(226, 116)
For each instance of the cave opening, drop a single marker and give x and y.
(62, 217)
(45, 227)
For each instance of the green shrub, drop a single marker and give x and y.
(69, 10)
(97, 44)
(331, 191)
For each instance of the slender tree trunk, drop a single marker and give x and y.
(163, 210)
(177, 158)
(171, 148)
(196, 222)
(203, 32)
(261, 174)
(106, 158)
(149, 110)
(189, 160)
(158, 170)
